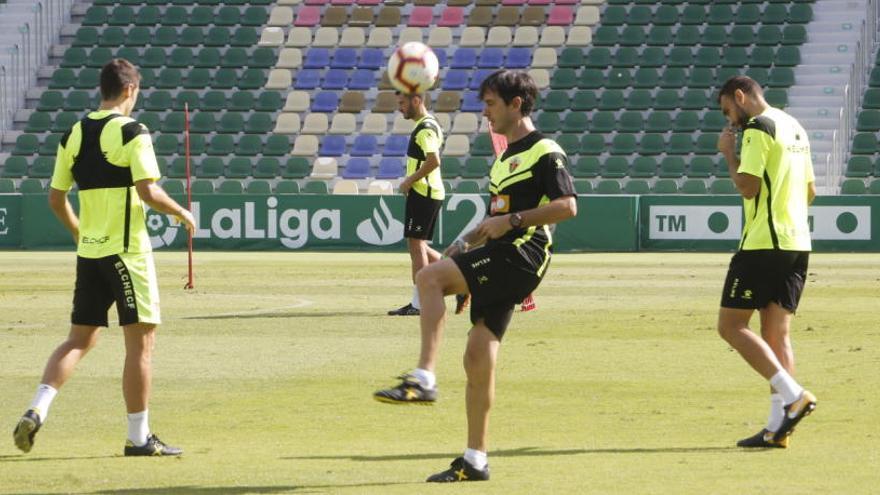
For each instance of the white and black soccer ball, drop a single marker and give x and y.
(413, 68)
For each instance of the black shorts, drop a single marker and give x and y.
(497, 281)
(421, 216)
(128, 279)
(757, 278)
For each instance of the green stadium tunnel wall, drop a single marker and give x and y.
(317, 222)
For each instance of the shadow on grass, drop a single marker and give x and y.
(520, 452)
(284, 314)
(233, 490)
(27, 458)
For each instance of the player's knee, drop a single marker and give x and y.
(726, 331)
(478, 363)
(426, 278)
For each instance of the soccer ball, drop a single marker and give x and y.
(413, 68)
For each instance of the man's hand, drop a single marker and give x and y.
(457, 247)
(186, 218)
(75, 234)
(494, 227)
(727, 141)
(405, 185)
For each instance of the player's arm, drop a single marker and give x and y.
(428, 140)
(60, 206)
(432, 161)
(747, 184)
(153, 195)
(811, 192)
(62, 181)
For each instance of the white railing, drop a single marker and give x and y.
(28, 49)
(858, 77)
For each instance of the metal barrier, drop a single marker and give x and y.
(853, 91)
(25, 56)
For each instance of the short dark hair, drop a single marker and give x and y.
(116, 75)
(743, 83)
(508, 84)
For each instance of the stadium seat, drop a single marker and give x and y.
(392, 168)
(608, 186)
(315, 187)
(853, 186)
(665, 186)
(636, 186)
(31, 186)
(722, 186)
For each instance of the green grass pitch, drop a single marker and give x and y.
(617, 384)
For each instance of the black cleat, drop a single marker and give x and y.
(794, 413)
(461, 302)
(763, 440)
(407, 310)
(410, 391)
(460, 470)
(153, 447)
(26, 429)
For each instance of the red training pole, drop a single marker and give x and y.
(189, 244)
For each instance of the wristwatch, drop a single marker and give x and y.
(516, 220)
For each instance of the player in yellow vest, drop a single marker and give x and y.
(498, 263)
(110, 158)
(423, 188)
(774, 174)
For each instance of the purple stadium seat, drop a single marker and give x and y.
(307, 79)
(332, 146)
(490, 58)
(344, 58)
(317, 58)
(395, 145)
(308, 16)
(390, 168)
(451, 17)
(362, 79)
(325, 101)
(371, 58)
(421, 16)
(560, 15)
(456, 79)
(471, 102)
(441, 56)
(335, 79)
(464, 58)
(479, 76)
(356, 168)
(519, 58)
(364, 145)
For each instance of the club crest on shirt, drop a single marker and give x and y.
(513, 165)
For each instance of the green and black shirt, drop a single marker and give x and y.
(427, 137)
(530, 173)
(105, 154)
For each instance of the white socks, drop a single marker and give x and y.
(785, 385)
(415, 300)
(425, 377)
(777, 413)
(475, 458)
(139, 427)
(43, 399)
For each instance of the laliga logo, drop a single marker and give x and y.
(162, 230)
(382, 229)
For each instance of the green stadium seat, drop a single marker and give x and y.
(277, 145)
(208, 58)
(211, 168)
(296, 168)
(175, 16)
(639, 15)
(632, 36)
(152, 120)
(38, 122)
(615, 167)
(775, 13)
(475, 168)
(112, 37)
(665, 186)
(658, 122)
(136, 37)
(720, 14)
(26, 144)
(31, 186)
(95, 16)
(667, 99)
(244, 36)
(584, 100)
(269, 101)
(706, 144)
(15, 166)
(218, 36)
(636, 186)
(714, 121)
(608, 186)
(570, 143)
(603, 122)
(606, 36)
(259, 187)
(177, 168)
(315, 187)
(202, 122)
(619, 78)
(482, 146)
(50, 101)
(800, 13)
(708, 56)
(62, 79)
(722, 186)
(612, 99)
(630, 122)
(43, 167)
(660, 35)
(86, 37)
(149, 15)
(548, 122)
(562, 79)
(254, 16)
(230, 186)
(868, 121)
(599, 57)
(166, 145)
(129, 53)
(467, 187)
(672, 167)
(153, 57)
(734, 56)
(287, 187)
(263, 58)
(7, 186)
(250, 145)
(644, 166)
(639, 99)
(592, 144)
(626, 56)
(201, 16)
(221, 145)
(614, 15)
(685, 37)
(158, 101)
(556, 101)
(794, 34)
(450, 167)
(575, 122)
(853, 186)
(592, 79)
(169, 79)
(583, 186)
(871, 99)
(713, 36)
(623, 144)
(686, 121)
(701, 167)
(180, 57)
(652, 144)
(74, 57)
(693, 14)
(267, 168)
(673, 78)
(202, 186)
(173, 123)
(121, 16)
(874, 188)
(234, 57)
(859, 166)
(768, 35)
(231, 122)
(173, 187)
(587, 166)
(259, 123)
(652, 57)
(665, 15)
(694, 186)
(572, 57)
(63, 121)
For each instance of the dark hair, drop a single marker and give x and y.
(743, 83)
(508, 84)
(116, 75)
